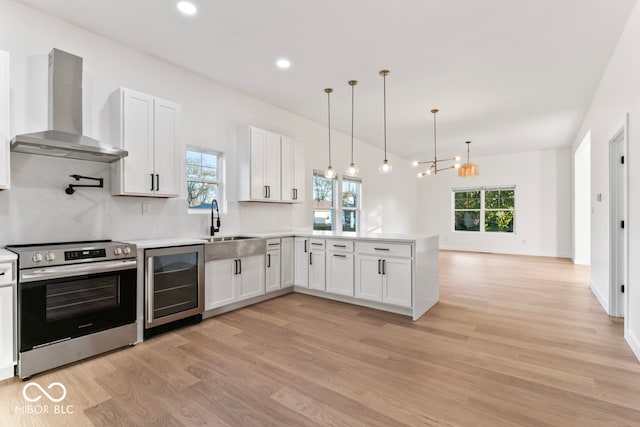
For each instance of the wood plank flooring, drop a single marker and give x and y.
(513, 341)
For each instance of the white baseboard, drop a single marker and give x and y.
(604, 302)
(633, 342)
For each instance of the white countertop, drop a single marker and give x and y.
(6, 255)
(165, 242)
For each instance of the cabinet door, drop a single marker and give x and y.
(166, 140)
(287, 262)
(6, 327)
(340, 273)
(258, 148)
(137, 137)
(288, 179)
(5, 174)
(272, 167)
(368, 277)
(251, 277)
(220, 287)
(397, 282)
(273, 281)
(301, 260)
(317, 270)
(299, 177)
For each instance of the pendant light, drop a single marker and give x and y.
(329, 173)
(468, 169)
(433, 164)
(352, 169)
(385, 167)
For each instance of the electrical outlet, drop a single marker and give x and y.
(145, 209)
(244, 210)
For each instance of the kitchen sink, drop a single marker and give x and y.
(227, 247)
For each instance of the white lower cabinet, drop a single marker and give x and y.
(287, 262)
(385, 280)
(301, 262)
(340, 273)
(273, 274)
(316, 264)
(231, 280)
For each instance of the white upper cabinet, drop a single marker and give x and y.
(292, 170)
(270, 167)
(148, 128)
(5, 170)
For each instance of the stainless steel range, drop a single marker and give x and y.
(75, 300)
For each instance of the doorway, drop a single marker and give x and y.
(582, 202)
(618, 222)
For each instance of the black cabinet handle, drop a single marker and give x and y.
(268, 191)
(384, 266)
(310, 258)
(151, 181)
(339, 246)
(268, 260)
(239, 266)
(157, 182)
(265, 192)
(1, 273)
(305, 246)
(295, 194)
(340, 256)
(379, 268)
(382, 249)
(235, 266)
(316, 244)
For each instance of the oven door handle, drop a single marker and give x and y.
(75, 270)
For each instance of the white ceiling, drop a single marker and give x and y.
(510, 75)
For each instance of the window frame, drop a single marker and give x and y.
(483, 209)
(334, 196)
(357, 209)
(219, 182)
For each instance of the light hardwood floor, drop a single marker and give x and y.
(514, 341)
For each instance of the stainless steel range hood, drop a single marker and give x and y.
(64, 137)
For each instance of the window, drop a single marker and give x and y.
(351, 195)
(323, 197)
(203, 178)
(489, 210)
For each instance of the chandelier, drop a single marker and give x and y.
(436, 165)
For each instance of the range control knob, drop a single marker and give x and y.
(117, 251)
(37, 257)
(50, 256)
(126, 250)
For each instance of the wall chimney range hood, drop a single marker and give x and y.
(64, 137)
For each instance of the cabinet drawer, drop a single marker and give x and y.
(340, 245)
(384, 249)
(316, 244)
(6, 273)
(273, 244)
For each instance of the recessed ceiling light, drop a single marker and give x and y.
(283, 63)
(187, 7)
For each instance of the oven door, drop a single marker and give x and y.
(60, 303)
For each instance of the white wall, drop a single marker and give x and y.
(543, 204)
(582, 203)
(36, 209)
(618, 93)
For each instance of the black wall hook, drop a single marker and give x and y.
(71, 188)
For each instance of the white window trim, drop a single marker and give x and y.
(357, 209)
(482, 209)
(336, 193)
(222, 187)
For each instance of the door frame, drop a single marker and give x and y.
(618, 211)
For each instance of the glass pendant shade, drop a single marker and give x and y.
(352, 170)
(329, 173)
(385, 167)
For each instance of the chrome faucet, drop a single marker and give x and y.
(216, 227)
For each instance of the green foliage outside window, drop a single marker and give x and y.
(493, 207)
